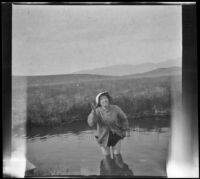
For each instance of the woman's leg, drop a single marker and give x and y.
(105, 150)
(117, 148)
(118, 160)
(117, 156)
(107, 165)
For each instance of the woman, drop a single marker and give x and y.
(112, 124)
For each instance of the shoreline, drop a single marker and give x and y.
(130, 118)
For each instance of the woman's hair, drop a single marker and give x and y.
(104, 94)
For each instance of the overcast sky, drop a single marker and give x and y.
(65, 39)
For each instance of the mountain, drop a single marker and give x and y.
(128, 69)
(170, 63)
(120, 70)
(157, 72)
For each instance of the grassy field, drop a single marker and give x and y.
(53, 104)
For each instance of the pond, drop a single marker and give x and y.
(73, 150)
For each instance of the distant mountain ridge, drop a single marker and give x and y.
(128, 69)
(18, 81)
(157, 72)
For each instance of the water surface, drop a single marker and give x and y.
(73, 150)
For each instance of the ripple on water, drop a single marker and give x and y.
(33, 138)
(68, 134)
(44, 138)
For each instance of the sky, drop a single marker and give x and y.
(62, 39)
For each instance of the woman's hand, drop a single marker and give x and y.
(94, 112)
(93, 108)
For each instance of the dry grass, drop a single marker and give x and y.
(66, 103)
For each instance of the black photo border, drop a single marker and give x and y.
(189, 64)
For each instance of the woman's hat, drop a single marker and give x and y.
(101, 94)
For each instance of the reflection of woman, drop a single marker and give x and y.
(111, 121)
(114, 166)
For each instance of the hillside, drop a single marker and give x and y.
(20, 81)
(78, 78)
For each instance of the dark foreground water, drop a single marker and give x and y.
(72, 150)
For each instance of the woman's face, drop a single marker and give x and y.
(104, 101)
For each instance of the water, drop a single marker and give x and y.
(72, 150)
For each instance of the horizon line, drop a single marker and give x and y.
(63, 74)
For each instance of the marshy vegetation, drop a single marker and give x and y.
(55, 104)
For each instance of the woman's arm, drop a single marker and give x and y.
(93, 117)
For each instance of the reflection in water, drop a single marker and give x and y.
(116, 166)
(75, 128)
(151, 124)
